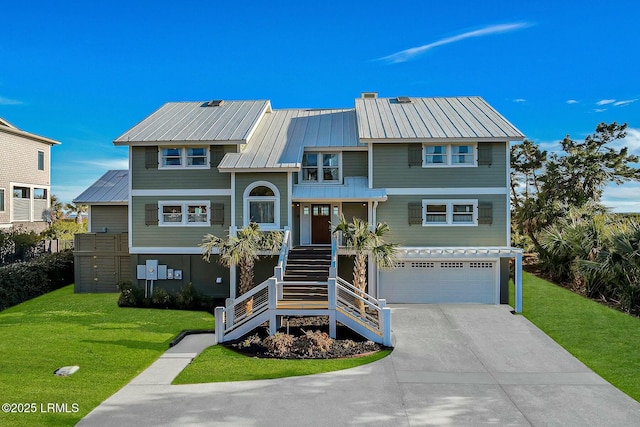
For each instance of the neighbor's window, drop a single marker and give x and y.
(449, 155)
(184, 213)
(184, 157)
(1, 199)
(321, 167)
(40, 160)
(262, 201)
(449, 212)
(40, 193)
(21, 193)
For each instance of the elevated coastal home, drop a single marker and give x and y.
(25, 178)
(435, 169)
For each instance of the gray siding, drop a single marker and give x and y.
(159, 236)
(243, 180)
(395, 213)
(113, 218)
(391, 170)
(165, 179)
(354, 163)
(195, 270)
(100, 261)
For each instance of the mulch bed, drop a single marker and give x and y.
(347, 343)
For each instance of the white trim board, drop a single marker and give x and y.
(191, 192)
(445, 191)
(154, 250)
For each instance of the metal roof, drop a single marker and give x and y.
(282, 135)
(189, 122)
(111, 189)
(354, 189)
(433, 119)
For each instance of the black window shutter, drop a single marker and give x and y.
(415, 213)
(415, 154)
(217, 213)
(217, 153)
(485, 213)
(151, 214)
(151, 157)
(485, 154)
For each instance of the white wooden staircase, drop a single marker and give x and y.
(285, 295)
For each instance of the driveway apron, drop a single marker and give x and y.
(458, 365)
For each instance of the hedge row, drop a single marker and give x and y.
(186, 298)
(22, 281)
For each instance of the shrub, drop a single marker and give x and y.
(279, 344)
(312, 343)
(22, 281)
(187, 298)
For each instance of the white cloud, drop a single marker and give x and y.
(409, 54)
(631, 141)
(624, 103)
(519, 100)
(571, 101)
(605, 101)
(600, 110)
(7, 101)
(622, 198)
(108, 164)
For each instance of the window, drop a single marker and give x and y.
(262, 202)
(40, 193)
(321, 167)
(184, 157)
(435, 155)
(450, 212)
(178, 213)
(21, 193)
(1, 199)
(40, 160)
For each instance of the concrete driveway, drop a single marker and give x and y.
(458, 365)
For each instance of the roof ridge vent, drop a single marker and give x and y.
(215, 103)
(369, 95)
(403, 100)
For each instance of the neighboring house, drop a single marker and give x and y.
(101, 256)
(435, 169)
(25, 178)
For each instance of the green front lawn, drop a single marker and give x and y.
(110, 344)
(219, 364)
(604, 339)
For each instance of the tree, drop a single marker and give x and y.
(55, 212)
(242, 250)
(544, 188)
(78, 209)
(357, 237)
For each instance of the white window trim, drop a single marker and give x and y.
(276, 204)
(320, 167)
(449, 213)
(184, 207)
(183, 158)
(449, 163)
(44, 166)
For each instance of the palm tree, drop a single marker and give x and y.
(362, 241)
(242, 250)
(78, 209)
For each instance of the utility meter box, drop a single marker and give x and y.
(152, 269)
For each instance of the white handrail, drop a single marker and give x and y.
(278, 270)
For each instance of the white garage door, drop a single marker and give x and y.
(453, 281)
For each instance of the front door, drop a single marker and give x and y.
(320, 224)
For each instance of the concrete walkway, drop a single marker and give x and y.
(457, 365)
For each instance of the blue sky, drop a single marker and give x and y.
(85, 72)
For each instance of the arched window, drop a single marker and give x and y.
(262, 205)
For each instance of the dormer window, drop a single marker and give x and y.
(321, 167)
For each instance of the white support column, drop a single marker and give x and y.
(232, 282)
(233, 199)
(518, 280)
(386, 326)
(219, 326)
(332, 293)
(273, 303)
(372, 276)
(332, 325)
